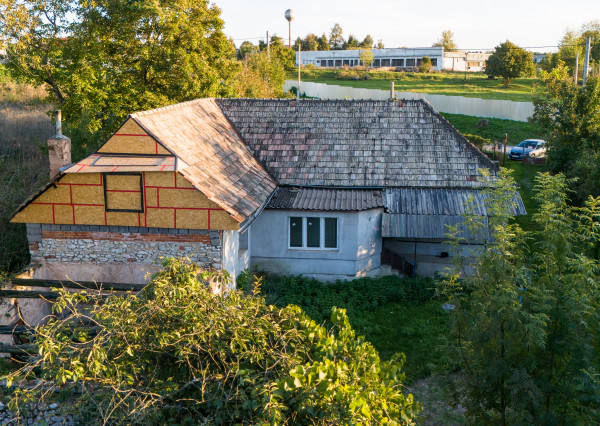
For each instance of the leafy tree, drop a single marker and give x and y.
(367, 43)
(310, 43)
(286, 56)
(366, 58)
(262, 76)
(323, 43)
(336, 39)
(246, 48)
(178, 353)
(425, 65)
(297, 44)
(570, 116)
(380, 45)
(351, 43)
(102, 60)
(509, 61)
(446, 41)
(526, 317)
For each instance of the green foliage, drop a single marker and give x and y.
(356, 296)
(495, 128)
(446, 41)
(573, 44)
(526, 320)
(425, 65)
(261, 76)
(178, 353)
(336, 39)
(102, 60)
(478, 141)
(366, 58)
(509, 61)
(570, 116)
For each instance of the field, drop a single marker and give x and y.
(472, 85)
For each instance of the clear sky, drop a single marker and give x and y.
(479, 24)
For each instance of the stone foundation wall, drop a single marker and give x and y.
(121, 244)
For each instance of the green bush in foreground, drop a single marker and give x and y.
(178, 353)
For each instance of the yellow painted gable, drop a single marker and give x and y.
(132, 139)
(167, 200)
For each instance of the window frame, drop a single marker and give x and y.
(321, 233)
(106, 208)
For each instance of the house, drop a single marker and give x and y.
(407, 58)
(329, 189)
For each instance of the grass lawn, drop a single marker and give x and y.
(496, 128)
(525, 175)
(476, 85)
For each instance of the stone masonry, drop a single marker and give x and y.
(121, 244)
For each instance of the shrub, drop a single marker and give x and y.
(425, 64)
(178, 353)
(478, 141)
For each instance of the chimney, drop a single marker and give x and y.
(59, 149)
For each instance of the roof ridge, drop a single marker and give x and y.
(170, 107)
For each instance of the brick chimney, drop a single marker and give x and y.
(59, 149)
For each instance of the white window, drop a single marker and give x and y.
(312, 232)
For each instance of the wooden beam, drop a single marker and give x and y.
(82, 285)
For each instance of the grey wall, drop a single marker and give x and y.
(358, 252)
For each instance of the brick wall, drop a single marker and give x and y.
(121, 244)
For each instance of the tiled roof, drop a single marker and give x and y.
(99, 163)
(211, 154)
(339, 143)
(326, 199)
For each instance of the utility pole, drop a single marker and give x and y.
(586, 62)
(576, 68)
(504, 157)
(268, 50)
(299, 66)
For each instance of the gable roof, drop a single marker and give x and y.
(210, 154)
(346, 143)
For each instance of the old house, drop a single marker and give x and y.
(330, 189)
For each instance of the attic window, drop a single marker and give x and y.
(123, 192)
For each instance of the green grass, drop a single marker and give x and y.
(476, 85)
(525, 176)
(496, 128)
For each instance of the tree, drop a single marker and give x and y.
(286, 56)
(246, 48)
(446, 41)
(573, 44)
(310, 43)
(323, 42)
(351, 43)
(509, 61)
(366, 58)
(425, 65)
(570, 117)
(102, 60)
(336, 39)
(380, 45)
(526, 318)
(177, 353)
(367, 43)
(262, 76)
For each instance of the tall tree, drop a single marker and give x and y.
(367, 43)
(310, 43)
(446, 41)
(104, 59)
(323, 42)
(379, 44)
(526, 318)
(366, 58)
(352, 43)
(336, 38)
(246, 48)
(509, 61)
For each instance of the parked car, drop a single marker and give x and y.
(524, 148)
(539, 152)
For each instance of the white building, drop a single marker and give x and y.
(397, 58)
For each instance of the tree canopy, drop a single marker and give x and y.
(177, 353)
(446, 41)
(509, 61)
(102, 60)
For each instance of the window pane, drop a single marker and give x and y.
(330, 232)
(313, 232)
(295, 232)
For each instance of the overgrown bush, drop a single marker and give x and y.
(478, 141)
(361, 295)
(177, 353)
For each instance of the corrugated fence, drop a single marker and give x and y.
(507, 110)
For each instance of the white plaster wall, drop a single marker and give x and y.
(506, 110)
(358, 252)
(235, 258)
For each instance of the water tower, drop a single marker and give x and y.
(289, 15)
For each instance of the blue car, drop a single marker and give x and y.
(524, 148)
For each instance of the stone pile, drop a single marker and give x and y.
(38, 414)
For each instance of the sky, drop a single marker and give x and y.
(418, 23)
